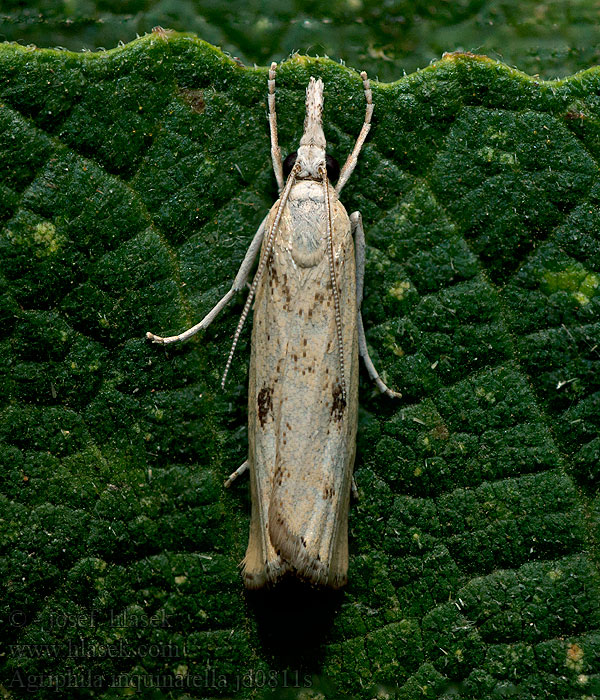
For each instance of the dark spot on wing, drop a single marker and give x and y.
(278, 476)
(264, 404)
(328, 492)
(339, 404)
(286, 293)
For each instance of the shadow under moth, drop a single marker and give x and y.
(306, 338)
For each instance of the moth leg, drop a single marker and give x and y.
(350, 163)
(275, 150)
(358, 233)
(364, 352)
(238, 283)
(238, 472)
(359, 247)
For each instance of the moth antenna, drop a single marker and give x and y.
(261, 267)
(350, 163)
(336, 296)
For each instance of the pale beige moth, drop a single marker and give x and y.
(306, 338)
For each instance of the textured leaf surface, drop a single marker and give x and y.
(131, 183)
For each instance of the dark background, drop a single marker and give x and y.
(552, 39)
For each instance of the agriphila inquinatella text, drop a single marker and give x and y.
(306, 338)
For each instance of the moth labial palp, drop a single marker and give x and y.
(307, 335)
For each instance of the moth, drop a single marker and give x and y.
(307, 336)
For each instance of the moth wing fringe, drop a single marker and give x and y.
(265, 577)
(293, 552)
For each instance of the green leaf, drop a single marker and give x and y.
(131, 183)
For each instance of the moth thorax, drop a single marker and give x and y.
(311, 153)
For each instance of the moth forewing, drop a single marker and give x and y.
(301, 429)
(303, 382)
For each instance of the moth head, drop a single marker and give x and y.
(311, 153)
